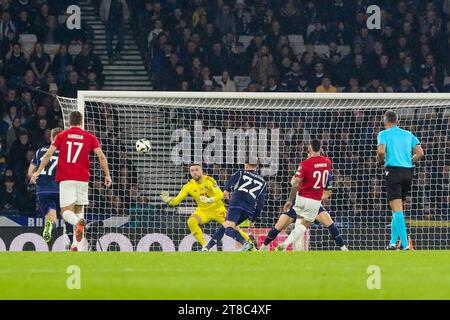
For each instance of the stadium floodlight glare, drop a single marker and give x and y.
(220, 130)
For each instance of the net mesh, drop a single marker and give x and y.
(220, 132)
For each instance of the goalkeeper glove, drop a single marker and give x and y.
(165, 197)
(204, 199)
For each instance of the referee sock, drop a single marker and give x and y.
(400, 225)
(336, 235)
(394, 232)
(70, 217)
(236, 235)
(273, 233)
(218, 235)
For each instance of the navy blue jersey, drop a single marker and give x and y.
(249, 191)
(46, 183)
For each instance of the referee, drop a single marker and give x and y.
(398, 150)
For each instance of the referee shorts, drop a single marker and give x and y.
(398, 182)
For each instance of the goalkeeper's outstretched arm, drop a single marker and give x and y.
(174, 201)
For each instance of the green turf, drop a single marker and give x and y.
(254, 275)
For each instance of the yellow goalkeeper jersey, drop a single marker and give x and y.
(207, 187)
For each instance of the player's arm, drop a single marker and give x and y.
(44, 162)
(177, 200)
(328, 187)
(217, 193)
(31, 170)
(295, 183)
(104, 165)
(381, 153)
(230, 184)
(418, 154)
(381, 150)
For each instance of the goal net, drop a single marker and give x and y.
(220, 130)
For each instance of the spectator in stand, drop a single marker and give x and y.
(7, 25)
(40, 61)
(263, 69)
(426, 86)
(226, 20)
(71, 86)
(16, 63)
(326, 86)
(87, 61)
(61, 64)
(19, 148)
(226, 83)
(10, 199)
(114, 13)
(405, 86)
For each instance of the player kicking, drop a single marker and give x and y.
(73, 174)
(308, 185)
(47, 189)
(209, 198)
(247, 201)
(323, 218)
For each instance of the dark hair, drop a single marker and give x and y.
(316, 144)
(391, 116)
(75, 118)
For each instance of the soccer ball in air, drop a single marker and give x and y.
(143, 146)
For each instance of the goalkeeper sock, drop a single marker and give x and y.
(218, 235)
(236, 235)
(70, 217)
(400, 225)
(273, 233)
(335, 235)
(196, 231)
(394, 232)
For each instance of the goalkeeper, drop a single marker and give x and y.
(208, 196)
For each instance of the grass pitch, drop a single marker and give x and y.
(220, 275)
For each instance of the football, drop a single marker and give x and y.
(143, 146)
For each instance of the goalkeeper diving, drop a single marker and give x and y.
(209, 199)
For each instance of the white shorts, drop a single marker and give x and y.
(307, 208)
(73, 192)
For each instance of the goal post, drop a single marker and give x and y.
(220, 130)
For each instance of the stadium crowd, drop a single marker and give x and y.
(196, 45)
(28, 79)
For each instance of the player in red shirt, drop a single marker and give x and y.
(73, 174)
(308, 185)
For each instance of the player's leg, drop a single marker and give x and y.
(397, 207)
(324, 219)
(283, 222)
(68, 198)
(234, 216)
(219, 233)
(50, 224)
(307, 209)
(394, 189)
(194, 221)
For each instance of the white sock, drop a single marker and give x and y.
(70, 217)
(295, 235)
(80, 215)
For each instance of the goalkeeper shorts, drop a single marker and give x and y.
(206, 217)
